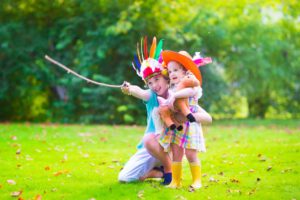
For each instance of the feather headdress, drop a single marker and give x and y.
(148, 64)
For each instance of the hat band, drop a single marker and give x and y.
(149, 72)
(152, 75)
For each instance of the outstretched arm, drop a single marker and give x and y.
(135, 91)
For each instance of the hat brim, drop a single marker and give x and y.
(187, 62)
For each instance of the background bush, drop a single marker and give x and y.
(255, 48)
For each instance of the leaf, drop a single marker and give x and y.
(62, 44)
(15, 145)
(11, 182)
(211, 179)
(258, 179)
(37, 150)
(269, 168)
(60, 172)
(251, 191)
(65, 158)
(180, 197)
(86, 155)
(13, 137)
(140, 194)
(289, 131)
(263, 159)
(234, 180)
(286, 170)
(234, 191)
(38, 197)
(27, 157)
(85, 134)
(251, 170)
(103, 139)
(16, 193)
(18, 151)
(191, 189)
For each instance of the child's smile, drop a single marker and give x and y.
(176, 72)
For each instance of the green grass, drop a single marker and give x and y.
(244, 160)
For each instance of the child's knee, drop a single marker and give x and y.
(148, 140)
(177, 153)
(191, 155)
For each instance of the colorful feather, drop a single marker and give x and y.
(145, 48)
(138, 64)
(160, 59)
(153, 47)
(137, 71)
(158, 49)
(142, 54)
(133, 66)
(138, 52)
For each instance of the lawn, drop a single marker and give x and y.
(244, 160)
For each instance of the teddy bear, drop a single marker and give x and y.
(180, 105)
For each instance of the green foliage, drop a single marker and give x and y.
(255, 48)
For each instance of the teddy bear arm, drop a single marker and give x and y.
(165, 114)
(182, 106)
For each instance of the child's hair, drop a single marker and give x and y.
(165, 71)
(166, 77)
(184, 69)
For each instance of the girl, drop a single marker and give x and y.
(190, 140)
(149, 69)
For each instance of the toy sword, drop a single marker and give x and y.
(78, 75)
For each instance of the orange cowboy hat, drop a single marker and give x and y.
(184, 59)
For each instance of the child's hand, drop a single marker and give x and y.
(171, 100)
(126, 88)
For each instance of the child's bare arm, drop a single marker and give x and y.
(202, 116)
(135, 91)
(185, 93)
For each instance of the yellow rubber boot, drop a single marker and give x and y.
(176, 175)
(196, 175)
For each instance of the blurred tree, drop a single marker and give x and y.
(255, 48)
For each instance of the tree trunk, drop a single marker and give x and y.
(258, 107)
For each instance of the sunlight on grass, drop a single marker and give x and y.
(244, 160)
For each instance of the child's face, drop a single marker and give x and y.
(176, 72)
(158, 84)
